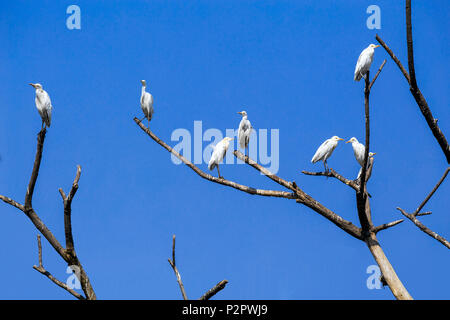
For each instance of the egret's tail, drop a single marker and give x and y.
(211, 165)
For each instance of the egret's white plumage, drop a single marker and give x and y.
(43, 104)
(220, 149)
(325, 150)
(244, 131)
(359, 149)
(364, 62)
(146, 102)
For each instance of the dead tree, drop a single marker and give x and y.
(68, 253)
(209, 294)
(428, 116)
(367, 233)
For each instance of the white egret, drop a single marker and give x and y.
(364, 61)
(43, 104)
(359, 149)
(146, 103)
(244, 131)
(325, 150)
(220, 149)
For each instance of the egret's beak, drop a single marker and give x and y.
(240, 113)
(374, 153)
(348, 141)
(377, 46)
(340, 139)
(32, 84)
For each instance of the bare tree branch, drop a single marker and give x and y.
(208, 294)
(12, 202)
(68, 255)
(250, 190)
(334, 174)
(67, 200)
(36, 166)
(424, 202)
(377, 74)
(415, 91)
(364, 211)
(396, 60)
(387, 225)
(211, 292)
(409, 42)
(422, 227)
(304, 198)
(177, 274)
(42, 270)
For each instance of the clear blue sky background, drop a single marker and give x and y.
(290, 63)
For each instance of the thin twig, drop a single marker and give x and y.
(211, 292)
(425, 229)
(334, 174)
(377, 74)
(396, 60)
(424, 202)
(42, 270)
(177, 274)
(387, 225)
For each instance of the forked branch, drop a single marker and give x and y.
(210, 293)
(68, 253)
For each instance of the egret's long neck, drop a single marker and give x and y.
(143, 90)
(244, 117)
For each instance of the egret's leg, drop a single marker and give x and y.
(142, 119)
(220, 177)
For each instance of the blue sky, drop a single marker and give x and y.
(290, 65)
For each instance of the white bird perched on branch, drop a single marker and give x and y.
(364, 61)
(359, 149)
(325, 150)
(43, 104)
(244, 131)
(220, 149)
(146, 103)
